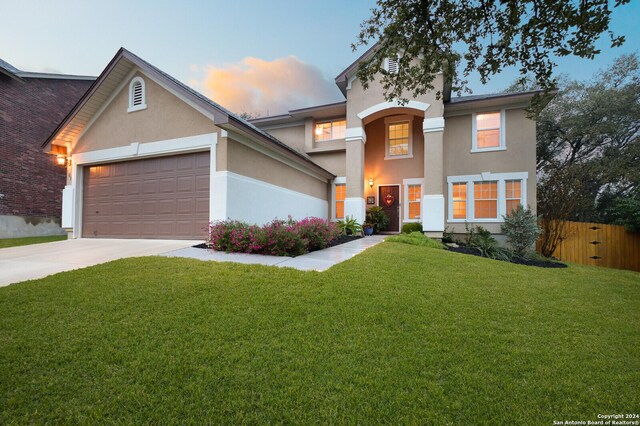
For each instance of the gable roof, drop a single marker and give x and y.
(342, 80)
(123, 63)
(9, 70)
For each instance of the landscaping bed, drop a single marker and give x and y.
(515, 259)
(340, 239)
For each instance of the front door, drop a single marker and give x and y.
(389, 200)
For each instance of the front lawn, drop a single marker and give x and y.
(25, 241)
(398, 334)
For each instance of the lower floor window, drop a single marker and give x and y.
(414, 201)
(341, 193)
(513, 190)
(485, 197)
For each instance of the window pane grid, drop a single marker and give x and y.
(414, 201)
(488, 130)
(399, 139)
(485, 200)
(513, 194)
(459, 191)
(330, 130)
(341, 192)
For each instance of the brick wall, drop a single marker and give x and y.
(29, 112)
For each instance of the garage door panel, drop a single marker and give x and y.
(166, 197)
(167, 185)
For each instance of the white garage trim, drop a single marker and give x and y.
(254, 201)
(72, 212)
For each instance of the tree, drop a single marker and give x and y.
(429, 36)
(588, 151)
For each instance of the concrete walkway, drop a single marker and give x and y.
(39, 260)
(320, 260)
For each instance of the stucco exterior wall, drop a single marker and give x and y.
(292, 136)
(250, 163)
(166, 117)
(359, 99)
(391, 171)
(520, 155)
(333, 161)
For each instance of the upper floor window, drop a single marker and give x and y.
(137, 95)
(399, 137)
(330, 130)
(488, 131)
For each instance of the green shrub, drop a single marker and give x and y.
(378, 218)
(481, 239)
(521, 229)
(447, 236)
(410, 227)
(416, 239)
(349, 226)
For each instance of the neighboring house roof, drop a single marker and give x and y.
(119, 67)
(11, 71)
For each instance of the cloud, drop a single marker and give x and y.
(260, 87)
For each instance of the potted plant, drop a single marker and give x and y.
(378, 218)
(368, 228)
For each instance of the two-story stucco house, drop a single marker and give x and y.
(149, 157)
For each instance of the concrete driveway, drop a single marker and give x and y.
(39, 260)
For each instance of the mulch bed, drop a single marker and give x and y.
(515, 259)
(342, 239)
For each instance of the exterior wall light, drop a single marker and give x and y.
(371, 183)
(61, 160)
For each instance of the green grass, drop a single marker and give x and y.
(416, 239)
(399, 334)
(15, 242)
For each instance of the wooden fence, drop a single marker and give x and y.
(597, 244)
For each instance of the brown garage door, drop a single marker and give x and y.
(165, 197)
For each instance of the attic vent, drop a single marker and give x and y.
(137, 93)
(137, 99)
(391, 65)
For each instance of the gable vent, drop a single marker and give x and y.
(391, 66)
(137, 99)
(137, 94)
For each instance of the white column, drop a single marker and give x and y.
(433, 212)
(218, 199)
(354, 204)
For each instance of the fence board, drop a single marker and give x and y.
(614, 246)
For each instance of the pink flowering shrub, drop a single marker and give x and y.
(278, 238)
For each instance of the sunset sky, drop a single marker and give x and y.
(261, 57)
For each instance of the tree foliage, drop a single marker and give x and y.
(429, 36)
(588, 150)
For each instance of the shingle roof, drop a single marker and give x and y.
(470, 98)
(8, 67)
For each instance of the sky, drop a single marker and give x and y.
(255, 56)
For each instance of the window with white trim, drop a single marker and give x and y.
(488, 131)
(137, 95)
(399, 137)
(513, 194)
(339, 195)
(486, 197)
(412, 199)
(459, 196)
(330, 130)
